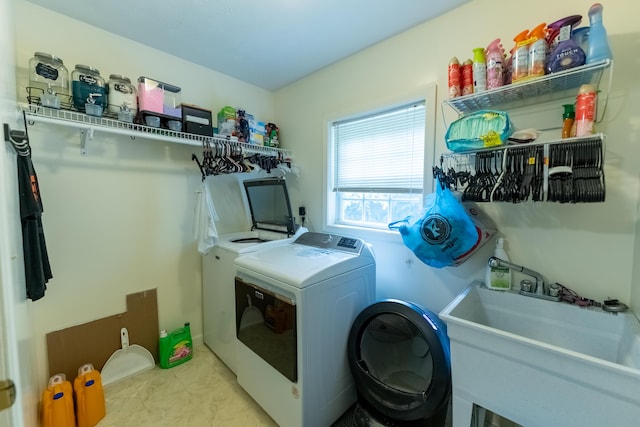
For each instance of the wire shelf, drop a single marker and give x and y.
(38, 113)
(551, 87)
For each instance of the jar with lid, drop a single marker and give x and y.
(47, 74)
(122, 97)
(87, 87)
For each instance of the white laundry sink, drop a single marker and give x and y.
(542, 363)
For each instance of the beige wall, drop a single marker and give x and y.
(588, 247)
(120, 219)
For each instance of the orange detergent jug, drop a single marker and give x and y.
(57, 403)
(90, 404)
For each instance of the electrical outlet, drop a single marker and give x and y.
(302, 211)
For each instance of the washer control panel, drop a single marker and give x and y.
(331, 242)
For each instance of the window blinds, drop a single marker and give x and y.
(381, 153)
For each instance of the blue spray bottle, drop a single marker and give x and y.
(598, 48)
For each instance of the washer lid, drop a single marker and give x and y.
(300, 265)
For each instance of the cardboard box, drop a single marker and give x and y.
(197, 120)
(94, 342)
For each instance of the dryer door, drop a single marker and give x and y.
(399, 357)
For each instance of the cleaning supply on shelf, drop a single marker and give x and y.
(585, 110)
(467, 77)
(454, 74)
(598, 46)
(175, 347)
(499, 278)
(568, 118)
(494, 55)
(57, 403)
(566, 53)
(479, 70)
(537, 56)
(520, 57)
(90, 403)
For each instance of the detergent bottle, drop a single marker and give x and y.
(90, 403)
(520, 57)
(537, 51)
(495, 69)
(499, 278)
(175, 347)
(598, 46)
(57, 403)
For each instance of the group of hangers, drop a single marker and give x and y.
(227, 157)
(575, 173)
(18, 139)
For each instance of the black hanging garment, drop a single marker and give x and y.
(36, 259)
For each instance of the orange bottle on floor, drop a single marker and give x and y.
(90, 404)
(57, 403)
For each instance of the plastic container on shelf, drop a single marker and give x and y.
(479, 70)
(537, 56)
(495, 67)
(520, 57)
(158, 97)
(87, 85)
(454, 77)
(122, 95)
(568, 119)
(48, 72)
(467, 77)
(598, 46)
(585, 110)
(565, 53)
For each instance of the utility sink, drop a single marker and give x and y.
(542, 363)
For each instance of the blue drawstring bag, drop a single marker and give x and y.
(444, 234)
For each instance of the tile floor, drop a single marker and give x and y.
(202, 392)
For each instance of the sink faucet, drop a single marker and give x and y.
(540, 290)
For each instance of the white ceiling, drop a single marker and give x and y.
(268, 43)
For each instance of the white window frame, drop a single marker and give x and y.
(428, 94)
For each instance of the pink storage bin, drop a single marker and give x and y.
(150, 95)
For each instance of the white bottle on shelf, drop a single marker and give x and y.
(499, 278)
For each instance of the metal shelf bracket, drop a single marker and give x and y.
(84, 135)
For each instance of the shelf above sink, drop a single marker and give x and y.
(551, 87)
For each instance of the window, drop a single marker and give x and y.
(376, 167)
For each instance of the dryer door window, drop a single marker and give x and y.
(396, 353)
(266, 323)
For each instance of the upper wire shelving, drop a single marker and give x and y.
(551, 87)
(89, 124)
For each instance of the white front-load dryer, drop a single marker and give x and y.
(295, 304)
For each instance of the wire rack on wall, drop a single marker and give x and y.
(568, 171)
(89, 124)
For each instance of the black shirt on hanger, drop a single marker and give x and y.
(36, 259)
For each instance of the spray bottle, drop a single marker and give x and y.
(454, 73)
(520, 61)
(467, 77)
(499, 278)
(598, 48)
(537, 51)
(479, 70)
(495, 56)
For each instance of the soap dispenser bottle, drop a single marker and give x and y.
(499, 278)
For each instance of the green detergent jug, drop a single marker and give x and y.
(175, 347)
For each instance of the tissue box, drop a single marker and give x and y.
(196, 120)
(158, 97)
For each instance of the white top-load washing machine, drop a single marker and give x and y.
(260, 217)
(295, 304)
